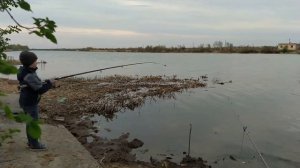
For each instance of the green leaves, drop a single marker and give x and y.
(45, 28)
(9, 30)
(7, 68)
(8, 113)
(34, 129)
(4, 41)
(22, 117)
(24, 5)
(7, 4)
(51, 37)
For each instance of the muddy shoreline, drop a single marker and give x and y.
(76, 100)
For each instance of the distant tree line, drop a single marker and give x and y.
(216, 47)
(16, 47)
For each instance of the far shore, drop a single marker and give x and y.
(188, 50)
(178, 49)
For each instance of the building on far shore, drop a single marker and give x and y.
(289, 46)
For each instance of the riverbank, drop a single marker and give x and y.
(63, 148)
(76, 100)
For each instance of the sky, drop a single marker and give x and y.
(138, 23)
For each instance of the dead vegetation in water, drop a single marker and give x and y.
(108, 95)
(219, 81)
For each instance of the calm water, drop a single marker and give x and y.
(264, 96)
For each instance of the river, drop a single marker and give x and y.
(264, 96)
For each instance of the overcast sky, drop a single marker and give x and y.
(133, 23)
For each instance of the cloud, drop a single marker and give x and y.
(138, 3)
(97, 32)
(167, 22)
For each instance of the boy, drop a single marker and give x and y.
(31, 91)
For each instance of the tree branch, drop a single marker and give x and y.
(28, 28)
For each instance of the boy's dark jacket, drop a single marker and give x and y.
(30, 95)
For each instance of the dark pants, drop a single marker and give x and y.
(33, 111)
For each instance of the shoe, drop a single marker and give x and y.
(38, 147)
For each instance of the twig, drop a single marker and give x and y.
(244, 131)
(28, 28)
(101, 161)
(189, 149)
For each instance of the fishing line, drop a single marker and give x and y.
(247, 133)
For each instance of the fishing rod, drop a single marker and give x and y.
(101, 69)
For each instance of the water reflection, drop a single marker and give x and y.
(42, 65)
